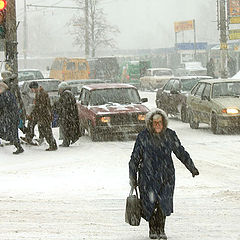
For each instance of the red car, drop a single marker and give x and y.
(109, 108)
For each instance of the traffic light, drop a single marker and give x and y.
(3, 5)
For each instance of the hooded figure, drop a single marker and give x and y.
(68, 115)
(9, 117)
(151, 168)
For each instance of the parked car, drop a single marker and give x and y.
(28, 75)
(49, 85)
(106, 109)
(155, 78)
(172, 96)
(190, 69)
(76, 85)
(217, 103)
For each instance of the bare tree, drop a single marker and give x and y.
(101, 34)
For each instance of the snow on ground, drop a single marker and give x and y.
(79, 192)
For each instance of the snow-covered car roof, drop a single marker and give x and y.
(191, 77)
(107, 86)
(219, 80)
(162, 69)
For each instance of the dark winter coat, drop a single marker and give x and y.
(42, 112)
(68, 115)
(211, 68)
(152, 162)
(9, 118)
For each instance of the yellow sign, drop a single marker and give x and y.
(223, 46)
(183, 26)
(234, 20)
(234, 34)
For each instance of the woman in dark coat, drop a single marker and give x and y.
(9, 118)
(151, 161)
(68, 115)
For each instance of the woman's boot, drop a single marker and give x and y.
(153, 229)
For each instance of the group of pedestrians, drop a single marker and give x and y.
(41, 115)
(151, 167)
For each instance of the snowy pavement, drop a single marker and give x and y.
(79, 192)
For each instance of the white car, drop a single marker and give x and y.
(155, 78)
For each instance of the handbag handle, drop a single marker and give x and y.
(131, 191)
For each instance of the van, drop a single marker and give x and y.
(69, 69)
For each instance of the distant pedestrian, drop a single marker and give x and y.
(231, 66)
(151, 168)
(42, 114)
(9, 118)
(66, 108)
(211, 68)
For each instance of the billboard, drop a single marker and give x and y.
(234, 34)
(183, 26)
(233, 8)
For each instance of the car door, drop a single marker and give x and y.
(206, 107)
(164, 95)
(196, 103)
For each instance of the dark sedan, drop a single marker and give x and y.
(172, 97)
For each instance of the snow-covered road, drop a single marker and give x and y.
(79, 192)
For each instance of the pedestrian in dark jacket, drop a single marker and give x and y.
(9, 78)
(42, 114)
(66, 108)
(9, 118)
(151, 161)
(211, 68)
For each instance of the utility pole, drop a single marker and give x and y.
(223, 38)
(11, 38)
(25, 41)
(11, 52)
(86, 30)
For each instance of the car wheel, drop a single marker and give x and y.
(184, 117)
(193, 124)
(215, 125)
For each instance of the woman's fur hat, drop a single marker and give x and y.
(151, 114)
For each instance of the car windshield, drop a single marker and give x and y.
(114, 95)
(49, 86)
(188, 84)
(226, 89)
(29, 75)
(162, 73)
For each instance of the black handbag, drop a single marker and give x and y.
(133, 209)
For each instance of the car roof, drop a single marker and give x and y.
(71, 82)
(191, 77)
(29, 70)
(43, 80)
(160, 69)
(219, 80)
(107, 86)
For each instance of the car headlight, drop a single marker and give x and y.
(141, 117)
(231, 110)
(105, 119)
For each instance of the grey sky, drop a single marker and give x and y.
(142, 23)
